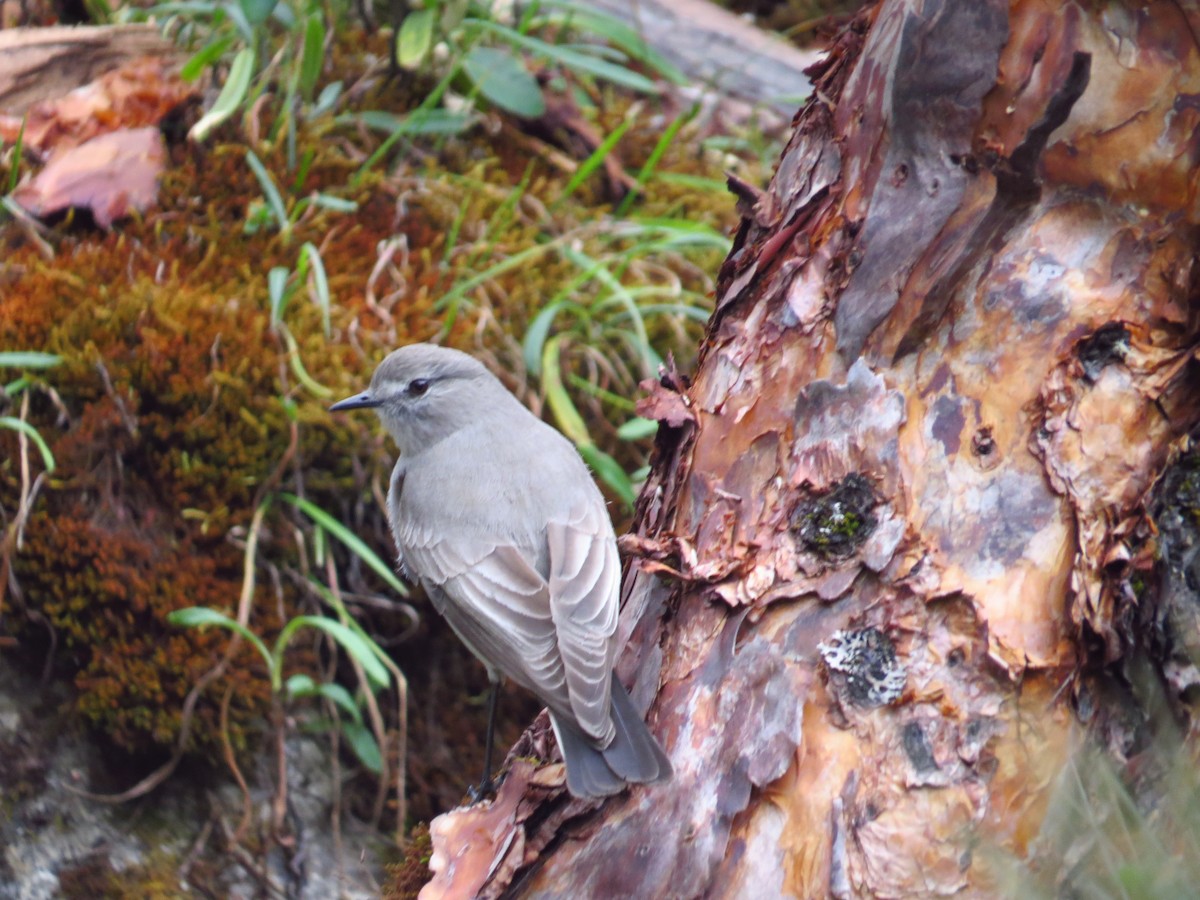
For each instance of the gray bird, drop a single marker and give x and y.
(496, 515)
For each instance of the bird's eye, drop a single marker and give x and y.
(418, 386)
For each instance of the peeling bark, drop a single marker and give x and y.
(39, 64)
(967, 302)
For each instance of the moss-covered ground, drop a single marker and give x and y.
(180, 405)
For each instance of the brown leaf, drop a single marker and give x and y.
(665, 405)
(141, 93)
(111, 175)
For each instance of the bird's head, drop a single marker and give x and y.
(424, 393)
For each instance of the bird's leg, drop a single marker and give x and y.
(486, 785)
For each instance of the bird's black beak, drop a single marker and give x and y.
(358, 401)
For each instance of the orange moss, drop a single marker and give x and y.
(180, 400)
(106, 590)
(407, 877)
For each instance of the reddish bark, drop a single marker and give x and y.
(895, 519)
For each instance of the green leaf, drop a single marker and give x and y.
(328, 97)
(570, 422)
(189, 8)
(32, 433)
(335, 603)
(202, 617)
(18, 151)
(617, 33)
(205, 57)
(336, 204)
(363, 743)
(29, 359)
(453, 13)
(277, 280)
(419, 121)
(300, 686)
(341, 698)
(285, 15)
(257, 11)
(595, 160)
(312, 60)
(350, 540)
(504, 81)
(304, 686)
(351, 642)
(232, 94)
(244, 29)
(270, 191)
(535, 338)
(610, 472)
(320, 282)
(577, 60)
(637, 428)
(415, 38)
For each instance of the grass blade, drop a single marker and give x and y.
(277, 291)
(351, 642)
(237, 84)
(566, 415)
(29, 359)
(320, 282)
(203, 617)
(205, 57)
(270, 191)
(656, 155)
(352, 541)
(32, 433)
(575, 60)
(312, 60)
(18, 149)
(617, 33)
(595, 161)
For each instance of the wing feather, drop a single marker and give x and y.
(497, 603)
(554, 634)
(584, 582)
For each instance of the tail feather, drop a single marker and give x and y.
(635, 753)
(633, 756)
(588, 775)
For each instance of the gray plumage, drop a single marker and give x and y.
(496, 515)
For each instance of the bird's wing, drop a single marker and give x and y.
(497, 603)
(395, 491)
(585, 574)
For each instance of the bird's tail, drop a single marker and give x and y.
(634, 756)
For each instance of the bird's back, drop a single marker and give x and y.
(472, 486)
(471, 517)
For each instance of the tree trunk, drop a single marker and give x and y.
(896, 544)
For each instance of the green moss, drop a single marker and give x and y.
(177, 407)
(836, 523)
